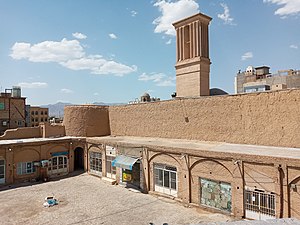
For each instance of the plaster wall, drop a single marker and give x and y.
(269, 118)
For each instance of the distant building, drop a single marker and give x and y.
(38, 115)
(260, 79)
(144, 98)
(12, 109)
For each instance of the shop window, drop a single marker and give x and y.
(165, 179)
(95, 163)
(58, 165)
(25, 168)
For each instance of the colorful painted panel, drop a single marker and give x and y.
(215, 194)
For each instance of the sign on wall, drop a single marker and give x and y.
(126, 176)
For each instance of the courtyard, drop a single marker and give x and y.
(85, 199)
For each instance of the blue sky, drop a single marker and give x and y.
(113, 51)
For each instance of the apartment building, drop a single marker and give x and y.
(257, 79)
(38, 115)
(12, 109)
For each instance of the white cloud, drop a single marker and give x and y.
(155, 77)
(133, 13)
(173, 11)
(169, 41)
(294, 46)
(98, 65)
(33, 85)
(79, 35)
(69, 54)
(48, 51)
(159, 79)
(287, 7)
(96, 94)
(112, 36)
(66, 91)
(226, 15)
(247, 55)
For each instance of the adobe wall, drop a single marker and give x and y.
(20, 133)
(86, 121)
(268, 118)
(51, 130)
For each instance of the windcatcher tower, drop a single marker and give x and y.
(192, 56)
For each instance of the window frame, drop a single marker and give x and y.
(24, 168)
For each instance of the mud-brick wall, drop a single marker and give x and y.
(86, 121)
(269, 118)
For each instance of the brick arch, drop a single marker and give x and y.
(209, 160)
(295, 180)
(23, 152)
(196, 171)
(94, 145)
(294, 198)
(55, 146)
(163, 153)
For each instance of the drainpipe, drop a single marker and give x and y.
(281, 174)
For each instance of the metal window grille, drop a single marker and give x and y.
(260, 202)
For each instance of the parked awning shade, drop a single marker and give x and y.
(124, 162)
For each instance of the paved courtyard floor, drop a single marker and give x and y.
(85, 199)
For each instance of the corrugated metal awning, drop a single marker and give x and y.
(124, 162)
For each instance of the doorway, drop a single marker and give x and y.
(259, 204)
(78, 159)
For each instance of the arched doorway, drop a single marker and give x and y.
(78, 159)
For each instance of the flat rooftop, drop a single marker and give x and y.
(34, 140)
(183, 144)
(216, 147)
